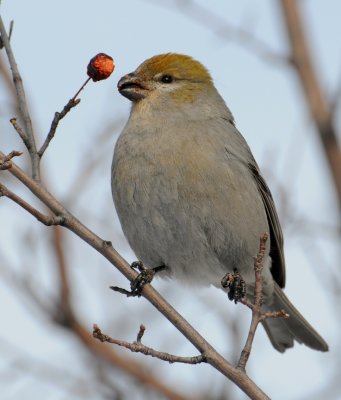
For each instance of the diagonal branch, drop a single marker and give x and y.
(103, 247)
(320, 109)
(44, 219)
(65, 315)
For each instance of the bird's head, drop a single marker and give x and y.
(171, 76)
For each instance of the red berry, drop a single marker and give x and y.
(100, 67)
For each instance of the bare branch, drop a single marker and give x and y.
(64, 315)
(274, 314)
(6, 163)
(257, 316)
(73, 224)
(21, 132)
(57, 117)
(138, 347)
(45, 219)
(132, 367)
(22, 103)
(80, 89)
(320, 109)
(140, 333)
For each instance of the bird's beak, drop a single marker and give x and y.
(132, 87)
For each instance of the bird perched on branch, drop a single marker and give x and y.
(189, 194)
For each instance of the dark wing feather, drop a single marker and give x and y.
(276, 236)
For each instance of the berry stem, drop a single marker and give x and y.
(81, 88)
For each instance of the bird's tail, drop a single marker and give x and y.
(282, 332)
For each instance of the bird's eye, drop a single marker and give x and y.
(166, 79)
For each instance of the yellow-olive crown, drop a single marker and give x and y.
(178, 66)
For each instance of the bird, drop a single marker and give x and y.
(189, 194)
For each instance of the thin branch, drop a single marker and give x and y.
(140, 333)
(138, 347)
(22, 103)
(80, 89)
(9, 34)
(11, 25)
(70, 222)
(57, 117)
(6, 162)
(67, 319)
(320, 109)
(45, 219)
(66, 316)
(257, 316)
(20, 131)
(127, 365)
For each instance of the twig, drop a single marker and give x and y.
(255, 307)
(45, 219)
(5, 162)
(257, 316)
(9, 34)
(21, 132)
(126, 364)
(66, 316)
(57, 117)
(140, 333)
(138, 347)
(11, 25)
(274, 314)
(22, 103)
(80, 89)
(212, 356)
(63, 314)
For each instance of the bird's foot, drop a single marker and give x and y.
(235, 286)
(145, 276)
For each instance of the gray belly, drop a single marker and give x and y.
(188, 219)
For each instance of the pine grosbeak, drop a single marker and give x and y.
(190, 195)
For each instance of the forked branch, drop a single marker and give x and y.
(139, 347)
(257, 315)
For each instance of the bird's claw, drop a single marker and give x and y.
(145, 276)
(235, 286)
(138, 265)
